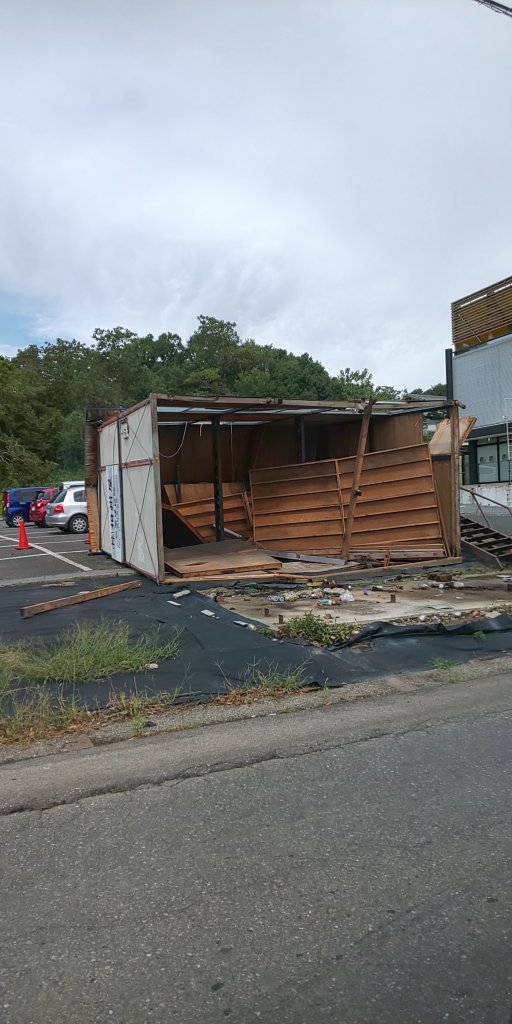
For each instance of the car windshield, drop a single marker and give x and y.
(60, 497)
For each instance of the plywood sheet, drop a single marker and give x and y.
(229, 556)
(440, 443)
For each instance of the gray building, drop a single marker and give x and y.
(482, 379)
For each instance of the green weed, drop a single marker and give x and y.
(443, 663)
(317, 629)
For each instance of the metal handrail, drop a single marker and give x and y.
(492, 500)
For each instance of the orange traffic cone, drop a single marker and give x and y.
(23, 544)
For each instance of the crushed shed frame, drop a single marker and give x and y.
(187, 466)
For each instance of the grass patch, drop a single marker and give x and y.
(317, 630)
(83, 654)
(443, 663)
(264, 680)
(30, 709)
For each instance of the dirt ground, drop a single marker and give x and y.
(460, 596)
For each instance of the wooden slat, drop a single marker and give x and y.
(403, 503)
(66, 602)
(392, 457)
(401, 488)
(356, 477)
(315, 515)
(384, 520)
(295, 471)
(404, 534)
(388, 475)
(293, 502)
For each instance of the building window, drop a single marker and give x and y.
(488, 464)
(505, 464)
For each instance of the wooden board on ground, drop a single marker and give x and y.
(65, 602)
(399, 554)
(228, 556)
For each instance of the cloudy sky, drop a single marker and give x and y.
(330, 174)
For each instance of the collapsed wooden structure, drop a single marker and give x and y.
(194, 481)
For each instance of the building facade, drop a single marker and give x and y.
(481, 367)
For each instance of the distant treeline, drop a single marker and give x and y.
(45, 389)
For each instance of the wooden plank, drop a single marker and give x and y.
(398, 554)
(329, 528)
(309, 545)
(388, 475)
(66, 602)
(381, 520)
(282, 490)
(356, 477)
(200, 491)
(294, 471)
(294, 502)
(377, 492)
(314, 515)
(406, 503)
(405, 535)
(415, 453)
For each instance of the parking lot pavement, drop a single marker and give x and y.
(52, 554)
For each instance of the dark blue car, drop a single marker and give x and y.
(16, 504)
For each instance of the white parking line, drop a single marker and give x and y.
(62, 558)
(7, 558)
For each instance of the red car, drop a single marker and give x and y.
(38, 506)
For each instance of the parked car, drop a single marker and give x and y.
(69, 511)
(16, 503)
(44, 497)
(39, 505)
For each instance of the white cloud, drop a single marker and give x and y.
(331, 176)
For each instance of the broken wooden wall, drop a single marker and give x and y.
(301, 507)
(397, 506)
(298, 508)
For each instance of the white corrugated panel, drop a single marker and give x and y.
(139, 491)
(108, 457)
(482, 380)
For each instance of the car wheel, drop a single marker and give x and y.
(78, 524)
(16, 520)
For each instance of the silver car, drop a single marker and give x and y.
(69, 511)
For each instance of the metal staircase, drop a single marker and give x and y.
(484, 543)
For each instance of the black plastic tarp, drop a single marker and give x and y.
(217, 653)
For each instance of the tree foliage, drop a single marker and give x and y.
(46, 389)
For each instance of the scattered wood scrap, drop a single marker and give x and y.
(70, 599)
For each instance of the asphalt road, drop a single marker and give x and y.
(52, 555)
(351, 866)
